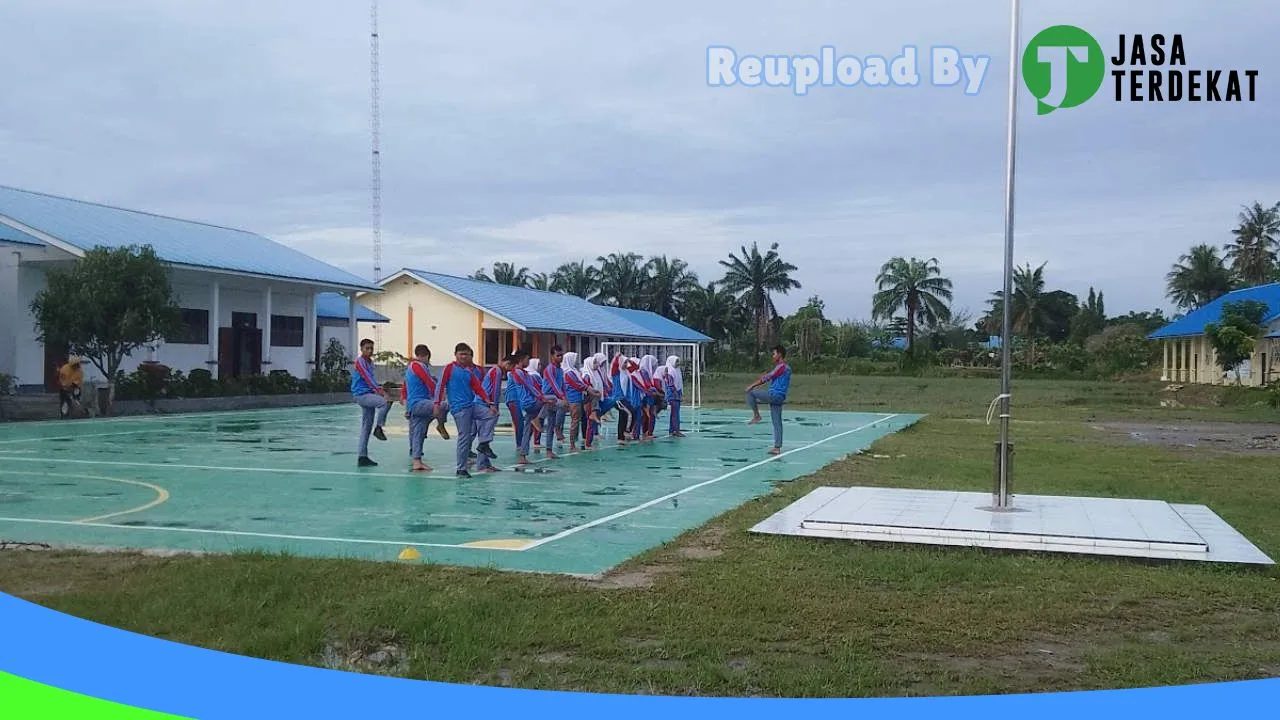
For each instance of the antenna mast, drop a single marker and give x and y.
(377, 164)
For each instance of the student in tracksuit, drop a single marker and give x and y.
(462, 390)
(578, 392)
(515, 397)
(373, 402)
(779, 381)
(533, 403)
(626, 397)
(668, 377)
(554, 376)
(492, 379)
(418, 395)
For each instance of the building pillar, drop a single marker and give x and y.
(215, 323)
(266, 327)
(310, 339)
(11, 315)
(409, 332)
(479, 347)
(1164, 372)
(353, 330)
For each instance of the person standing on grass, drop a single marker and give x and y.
(779, 381)
(461, 391)
(492, 379)
(418, 397)
(373, 402)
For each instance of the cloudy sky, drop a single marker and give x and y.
(544, 132)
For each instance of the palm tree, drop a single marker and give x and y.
(622, 280)
(577, 278)
(669, 282)
(540, 281)
(1253, 254)
(715, 312)
(916, 286)
(504, 273)
(1030, 312)
(1198, 278)
(752, 278)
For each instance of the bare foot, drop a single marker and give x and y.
(754, 420)
(418, 466)
(775, 451)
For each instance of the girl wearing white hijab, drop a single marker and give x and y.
(626, 396)
(672, 384)
(652, 402)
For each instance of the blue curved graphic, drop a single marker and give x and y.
(80, 656)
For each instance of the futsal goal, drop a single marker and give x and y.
(691, 360)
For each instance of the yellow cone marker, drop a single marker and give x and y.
(410, 554)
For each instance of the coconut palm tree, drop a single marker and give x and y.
(916, 287)
(623, 277)
(1198, 278)
(752, 278)
(715, 312)
(577, 278)
(1253, 254)
(669, 282)
(504, 273)
(1030, 312)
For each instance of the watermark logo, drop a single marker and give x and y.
(947, 67)
(1063, 66)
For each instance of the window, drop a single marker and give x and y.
(286, 331)
(192, 330)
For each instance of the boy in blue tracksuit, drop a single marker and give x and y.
(779, 381)
(373, 402)
(492, 379)
(462, 390)
(418, 396)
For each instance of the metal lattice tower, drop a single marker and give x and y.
(377, 163)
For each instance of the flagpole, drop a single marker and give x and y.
(1004, 488)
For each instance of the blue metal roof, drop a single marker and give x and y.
(659, 326)
(86, 225)
(1193, 324)
(539, 310)
(334, 306)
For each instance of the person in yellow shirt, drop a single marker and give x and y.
(71, 380)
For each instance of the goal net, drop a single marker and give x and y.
(691, 360)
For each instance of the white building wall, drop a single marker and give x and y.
(10, 309)
(193, 291)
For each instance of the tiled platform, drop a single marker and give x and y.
(1096, 526)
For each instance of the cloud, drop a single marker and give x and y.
(521, 132)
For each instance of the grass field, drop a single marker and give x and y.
(724, 612)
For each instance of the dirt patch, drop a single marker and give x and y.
(1230, 438)
(381, 655)
(1039, 664)
(704, 545)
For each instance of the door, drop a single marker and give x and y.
(226, 353)
(248, 352)
(55, 357)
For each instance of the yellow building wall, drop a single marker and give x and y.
(421, 314)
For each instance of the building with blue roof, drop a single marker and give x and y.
(1188, 356)
(441, 310)
(249, 304)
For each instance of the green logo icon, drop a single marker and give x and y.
(1063, 66)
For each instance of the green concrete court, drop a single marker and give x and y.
(286, 480)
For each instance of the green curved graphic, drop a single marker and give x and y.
(22, 699)
(1062, 66)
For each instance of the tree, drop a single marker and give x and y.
(1236, 333)
(715, 312)
(753, 278)
(576, 278)
(110, 303)
(807, 329)
(623, 277)
(1091, 319)
(1198, 278)
(669, 282)
(1253, 254)
(504, 273)
(1030, 312)
(916, 286)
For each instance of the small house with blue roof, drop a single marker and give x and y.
(249, 305)
(440, 311)
(1189, 358)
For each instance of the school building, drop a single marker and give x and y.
(441, 311)
(249, 305)
(1190, 358)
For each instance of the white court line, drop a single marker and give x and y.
(623, 513)
(243, 533)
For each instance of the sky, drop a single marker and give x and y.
(540, 133)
